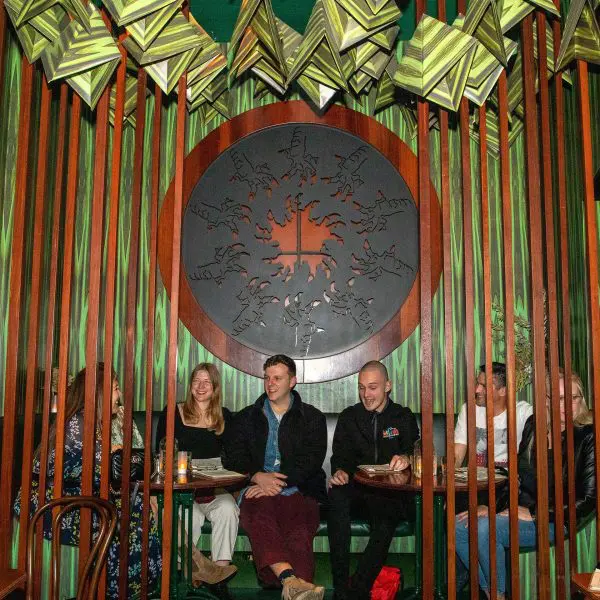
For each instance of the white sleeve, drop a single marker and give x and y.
(524, 411)
(460, 431)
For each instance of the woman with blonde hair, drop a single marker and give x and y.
(585, 488)
(200, 427)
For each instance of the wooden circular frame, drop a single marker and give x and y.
(219, 342)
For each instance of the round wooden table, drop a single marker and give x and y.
(184, 492)
(404, 481)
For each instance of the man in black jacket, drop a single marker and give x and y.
(374, 431)
(281, 443)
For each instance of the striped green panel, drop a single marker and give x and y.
(320, 94)
(448, 92)
(546, 5)
(145, 30)
(361, 12)
(177, 38)
(166, 73)
(32, 41)
(90, 84)
(318, 37)
(482, 22)
(385, 89)
(513, 12)
(32, 8)
(51, 22)
(376, 65)
(258, 16)
(130, 99)
(77, 50)
(79, 11)
(347, 31)
(124, 12)
(431, 53)
(581, 36)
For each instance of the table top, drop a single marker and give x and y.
(581, 581)
(196, 482)
(405, 481)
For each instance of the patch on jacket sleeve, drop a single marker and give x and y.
(390, 432)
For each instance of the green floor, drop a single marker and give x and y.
(244, 584)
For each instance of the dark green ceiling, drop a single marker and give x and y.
(218, 16)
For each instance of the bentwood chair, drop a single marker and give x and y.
(87, 586)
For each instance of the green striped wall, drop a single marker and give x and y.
(239, 388)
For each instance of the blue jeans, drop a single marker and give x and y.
(527, 537)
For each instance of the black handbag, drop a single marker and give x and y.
(136, 472)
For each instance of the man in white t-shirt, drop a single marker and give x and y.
(524, 411)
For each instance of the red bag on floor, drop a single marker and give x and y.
(387, 584)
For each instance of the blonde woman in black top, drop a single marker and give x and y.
(200, 425)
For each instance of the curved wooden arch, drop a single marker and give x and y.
(191, 313)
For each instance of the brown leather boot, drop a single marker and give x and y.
(206, 571)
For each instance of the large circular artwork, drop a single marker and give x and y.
(301, 238)
(298, 237)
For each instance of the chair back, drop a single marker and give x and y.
(107, 517)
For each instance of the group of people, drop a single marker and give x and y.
(280, 442)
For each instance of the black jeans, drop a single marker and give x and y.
(384, 510)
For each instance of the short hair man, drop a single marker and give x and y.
(374, 431)
(281, 443)
(523, 411)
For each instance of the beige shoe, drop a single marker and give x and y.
(206, 571)
(295, 588)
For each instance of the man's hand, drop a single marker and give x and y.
(340, 477)
(270, 484)
(399, 462)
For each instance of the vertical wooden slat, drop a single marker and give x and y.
(14, 314)
(90, 417)
(591, 243)
(67, 276)
(551, 303)
(448, 340)
(152, 251)
(509, 336)
(111, 269)
(130, 319)
(561, 180)
(52, 292)
(173, 324)
(469, 338)
(487, 314)
(537, 304)
(426, 327)
(34, 318)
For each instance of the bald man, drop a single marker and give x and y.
(374, 431)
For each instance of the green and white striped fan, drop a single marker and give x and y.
(430, 55)
(77, 51)
(581, 36)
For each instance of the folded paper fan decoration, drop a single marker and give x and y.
(86, 59)
(580, 37)
(147, 28)
(430, 55)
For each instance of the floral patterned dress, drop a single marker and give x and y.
(73, 463)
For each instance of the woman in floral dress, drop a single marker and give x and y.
(73, 463)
